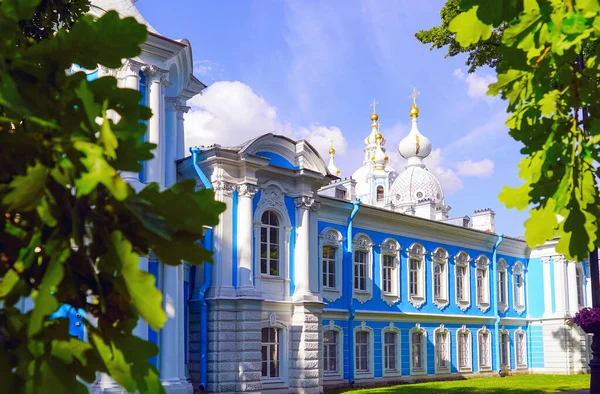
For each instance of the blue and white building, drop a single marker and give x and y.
(320, 281)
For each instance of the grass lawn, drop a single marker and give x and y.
(524, 384)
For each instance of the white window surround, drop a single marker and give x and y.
(371, 353)
(363, 243)
(484, 331)
(504, 332)
(522, 365)
(393, 329)
(272, 198)
(332, 237)
(422, 334)
(502, 285)
(580, 283)
(461, 332)
(440, 258)
(518, 291)
(482, 264)
(390, 247)
(282, 380)
(340, 351)
(462, 259)
(417, 252)
(445, 352)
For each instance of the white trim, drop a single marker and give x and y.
(580, 286)
(416, 251)
(283, 351)
(484, 331)
(423, 335)
(465, 302)
(460, 332)
(395, 330)
(503, 331)
(445, 333)
(371, 352)
(332, 237)
(518, 270)
(440, 257)
(390, 247)
(482, 263)
(502, 267)
(362, 242)
(516, 333)
(340, 351)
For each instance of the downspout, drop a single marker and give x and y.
(356, 206)
(495, 301)
(200, 293)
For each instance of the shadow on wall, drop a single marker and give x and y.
(574, 346)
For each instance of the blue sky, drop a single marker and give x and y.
(310, 69)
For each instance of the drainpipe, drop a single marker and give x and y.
(356, 206)
(495, 300)
(200, 293)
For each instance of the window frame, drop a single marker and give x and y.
(502, 268)
(367, 374)
(332, 238)
(504, 334)
(518, 303)
(463, 260)
(516, 334)
(269, 243)
(580, 284)
(440, 258)
(390, 248)
(363, 243)
(398, 354)
(444, 333)
(417, 252)
(340, 351)
(422, 334)
(377, 189)
(464, 332)
(484, 332)
(482, 264)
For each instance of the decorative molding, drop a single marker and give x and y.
(440, 303)
(154, 73)
(271, 196)
(273, 319)
(331, 324)
(390, 247)
(363, 325)
(416, 301)
(559, 259)
(416, 250)
(362, 242)
(390, 299)
(247, 190)
(307, 202)
(331, 237)
(545, 259)
(362, 296)
(224, 187)
(332, 295)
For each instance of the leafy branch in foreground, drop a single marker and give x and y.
(540, 43)
(71, 229)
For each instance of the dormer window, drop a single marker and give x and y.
(380, 193)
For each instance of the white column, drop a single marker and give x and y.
(171, 104)
(131, 80)
(245, 226)
(572, 287)
(314, 259)
(156, 79)
(141, 329)
(302, 275)
(170, 351)
(547, 286)
(180, 140)
(223, 257)
(560, 284)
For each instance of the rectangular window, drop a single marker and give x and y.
(437, 280)
(341, 194)
(417, 351)
(502, 287)
(441, 348)
(360, 270)
(330, 351)
(579, 280)
(521, 349)
(389, 351)
(362, 351)
(388, 271)
(518, 287)
(329, 267)
(504, 344)
(464, 359)
(484, 350)
(414, 277)
(270, 352)
(461, 273)
(481, 296)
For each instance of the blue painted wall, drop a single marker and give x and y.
(536, 347)
(277, 160)
(153, 335)
(535, 287)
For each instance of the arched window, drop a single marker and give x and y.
(330, 352)
(363, 350)
(363, 268)
(461, 266)
(416, 275)
(440, 278)
(380, 193)
(518, 287)
(442, 349)
(390, 338)
(463, 343)
(579, 275)
(504, 348)
(521, 348)
(269, 244)
(502, 286)
(418, 350)
(390, 275)
(271, 352)
(483, 282)
(484, 344)
(331, 264)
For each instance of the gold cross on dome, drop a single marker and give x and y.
(374, 105)
(414, 95)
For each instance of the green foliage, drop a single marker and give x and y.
(71, 229)
(547, 95)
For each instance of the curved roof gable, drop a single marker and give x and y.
(300, 154)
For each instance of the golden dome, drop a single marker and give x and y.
(374, 116)
(337, 173)
(331, 151)
(414, 111)
(378, 136)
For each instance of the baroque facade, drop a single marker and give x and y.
(320, 281)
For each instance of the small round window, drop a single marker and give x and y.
(439, 196)
(419, 195)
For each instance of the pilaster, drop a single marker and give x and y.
(547, 286)
(572, 305)
(223, 241)
(306, 348)
(560, 285)
(245, 242)
(303, 278)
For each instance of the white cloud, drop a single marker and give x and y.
(480, 168)
(477, 85)
(208, 68)
(447, 177)
(230, 113)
